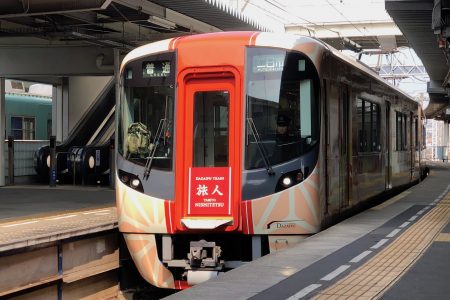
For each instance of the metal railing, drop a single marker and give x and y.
(23, 156)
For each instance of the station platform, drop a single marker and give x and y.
(58, 242)
(397, 250)
(31, 215)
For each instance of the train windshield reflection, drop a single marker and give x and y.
(147, 121)
(282, 105)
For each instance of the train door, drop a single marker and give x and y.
(210, 155)
(388, 169)
(411, 145)
(333, 144)
(344, 170)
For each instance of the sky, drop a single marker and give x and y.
(277, 13)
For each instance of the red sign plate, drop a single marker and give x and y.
(209, 192)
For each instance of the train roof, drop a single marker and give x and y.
(366, 69)
(267, 39)
(28, 98)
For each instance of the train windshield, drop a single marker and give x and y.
(282, 106)
(146, 120)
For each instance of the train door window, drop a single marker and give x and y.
(375, 127)
(405, 131)
(360, 115)
(211, 129)
(23, 128)
(398, 131)
(367, 126)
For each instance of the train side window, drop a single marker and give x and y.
(416, 133)
(368, 120)
(23, 128)
(401, 136)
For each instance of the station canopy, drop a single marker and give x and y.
(121, 24)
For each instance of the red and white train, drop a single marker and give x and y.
(233, 145)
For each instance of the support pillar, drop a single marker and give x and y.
(2, 131)
(60, 110)
(446, 152)
(445, 135)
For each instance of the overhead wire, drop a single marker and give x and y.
(278, 6)
(377, 42)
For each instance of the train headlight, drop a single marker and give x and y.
(48, 161)
(287, 181)
(91, 162)
(135, 183)
(131, 180)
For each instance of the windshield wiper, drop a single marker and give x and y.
(158, 134)
(261, 149)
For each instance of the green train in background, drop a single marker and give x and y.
(28, 117)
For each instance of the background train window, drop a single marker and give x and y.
(282, 106)
(401, 131)
(368, 120)
(23, 128)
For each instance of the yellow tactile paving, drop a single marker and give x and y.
(372, 279)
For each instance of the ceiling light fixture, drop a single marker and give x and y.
(161, 22)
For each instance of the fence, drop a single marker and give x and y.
(437, 153)
(23, 157)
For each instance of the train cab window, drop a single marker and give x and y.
(211, 129)
(145, 129)
(147, 125)
(282, 106)
(368, 120)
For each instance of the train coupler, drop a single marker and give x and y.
(203, 254)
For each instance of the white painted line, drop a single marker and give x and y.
(335, 273)
(404, 224)
(102, 214)
(413, 218)
(304, 291)
(19, 224)
(62, 217)
(379, 244)
(393, 233)
(360, 257)
(95, 211)
(420, 212)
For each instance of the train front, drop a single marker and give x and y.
(217, 152)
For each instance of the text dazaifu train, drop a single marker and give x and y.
(233, 145)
